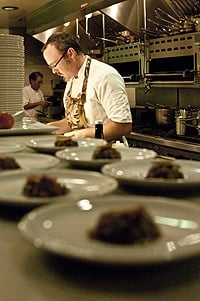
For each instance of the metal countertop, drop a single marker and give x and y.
(166, 141)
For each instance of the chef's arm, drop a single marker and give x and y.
(112, 130)
(31, 105)
(62, 125)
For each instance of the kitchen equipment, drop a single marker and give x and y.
(187, 118)
(180, 126)
(164, 115)
(174, 61)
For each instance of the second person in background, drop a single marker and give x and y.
(33, 97)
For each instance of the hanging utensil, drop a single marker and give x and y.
(163, 28)
(107, 40)
(159, 17)
(178, 8)
(77, 31)
(167, 15)
(87, 17)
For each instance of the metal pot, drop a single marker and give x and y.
(186, 122)
(165, 116)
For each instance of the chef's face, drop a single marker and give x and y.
(61, 63)
(35, 84)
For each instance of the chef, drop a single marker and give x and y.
(94, 90)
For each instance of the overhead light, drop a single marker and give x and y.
(9, 8)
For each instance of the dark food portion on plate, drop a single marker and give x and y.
(65, 141)
(8, 162)
(106, 152)
(43, 186)
(126, 226)
(166, 169)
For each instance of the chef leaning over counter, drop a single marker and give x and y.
(94, 90)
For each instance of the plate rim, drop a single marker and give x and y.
(12, 201)
(150, 183)
(99, 162)
(29, 218)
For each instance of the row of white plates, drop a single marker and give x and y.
(11, 72)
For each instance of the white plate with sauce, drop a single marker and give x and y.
(63, 230)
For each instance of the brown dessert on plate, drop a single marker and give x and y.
(106, 152)
(166, 169)
(43, 186)
(125, 226)
(65, 141)
(8, 162)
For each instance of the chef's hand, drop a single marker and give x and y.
(44, 103)
(62, 126)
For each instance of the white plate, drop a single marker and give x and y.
(82, 157)
(63, 230)
(47, 145)
(79, 183)
(133, 174)
(28, 129)
(9, 147)
(33, 161)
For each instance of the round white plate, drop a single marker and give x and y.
(9, 147)
(47, 145)
(133, 174)
(63, 230)
(79, 183)
(33, 161)
(82, 157)
(28, 129)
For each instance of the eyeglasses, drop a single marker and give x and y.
(55, 64)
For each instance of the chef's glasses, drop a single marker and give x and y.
(55, 64)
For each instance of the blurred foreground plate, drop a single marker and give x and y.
(79, 183)
(9, 147)
(82, 157)
(63, 230)
(33, 161)
(133, 174)
(28, 129)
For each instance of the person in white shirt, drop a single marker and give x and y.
(94, 90)
(33, 97)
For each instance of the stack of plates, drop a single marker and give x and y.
(11, 72)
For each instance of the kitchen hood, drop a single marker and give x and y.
(110, 19)
(56, 13)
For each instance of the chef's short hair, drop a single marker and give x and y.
(63, 41)
(34, 75)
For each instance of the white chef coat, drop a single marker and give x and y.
(30, 96)
(106, 97)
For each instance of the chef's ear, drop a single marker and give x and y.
(71, 51)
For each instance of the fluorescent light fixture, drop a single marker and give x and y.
(9, 8)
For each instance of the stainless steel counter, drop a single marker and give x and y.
(161, 143)
(28, 274)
